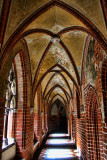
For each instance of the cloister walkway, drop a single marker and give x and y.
(58, 147)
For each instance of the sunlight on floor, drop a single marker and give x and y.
(59, 142)
(59, 147)
(59, 153)
(58, 135)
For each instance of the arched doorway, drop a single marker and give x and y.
(58, 118)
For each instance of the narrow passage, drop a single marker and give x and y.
(59, 147)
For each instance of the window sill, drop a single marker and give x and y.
(8, 146)
(5, 146)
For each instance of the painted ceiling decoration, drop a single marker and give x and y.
(55, 32)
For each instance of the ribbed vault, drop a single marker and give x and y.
(54, 33)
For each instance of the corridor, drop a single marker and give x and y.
(58, 146)
(53, 79)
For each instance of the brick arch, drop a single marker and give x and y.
(63, 69)
(21, 102)
(104, 87)
(65, 80)
(93, 126)
(19, 55)
(91, 27)
(20, 47)
(68, 54)
(51, 101)
(57, 86)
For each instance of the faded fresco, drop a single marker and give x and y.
(90, 68)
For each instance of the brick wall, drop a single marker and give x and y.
(24, 120)
(90, 131)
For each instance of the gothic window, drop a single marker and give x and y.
(10, 107)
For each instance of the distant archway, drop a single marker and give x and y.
(58, 118)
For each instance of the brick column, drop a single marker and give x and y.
(19, 134)
(36, 124)
(13, 125)
(71, 125)
(39, 132)
(43, 118)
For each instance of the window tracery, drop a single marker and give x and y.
(10, 108)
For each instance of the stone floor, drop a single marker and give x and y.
(59, 147)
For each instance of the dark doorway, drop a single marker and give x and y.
(62, 120)
(58, 119)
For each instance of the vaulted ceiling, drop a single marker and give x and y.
(55, 32)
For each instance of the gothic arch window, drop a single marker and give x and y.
(10, 107)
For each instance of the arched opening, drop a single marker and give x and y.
(47, 39)
(15, 106)
(20, 103)
(10, 108)
(58, 118)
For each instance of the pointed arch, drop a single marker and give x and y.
(57, 86)
(64, 80)
(56, 65)
(56, 100)
(92, 28)
(55, 96)
(68, 54)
